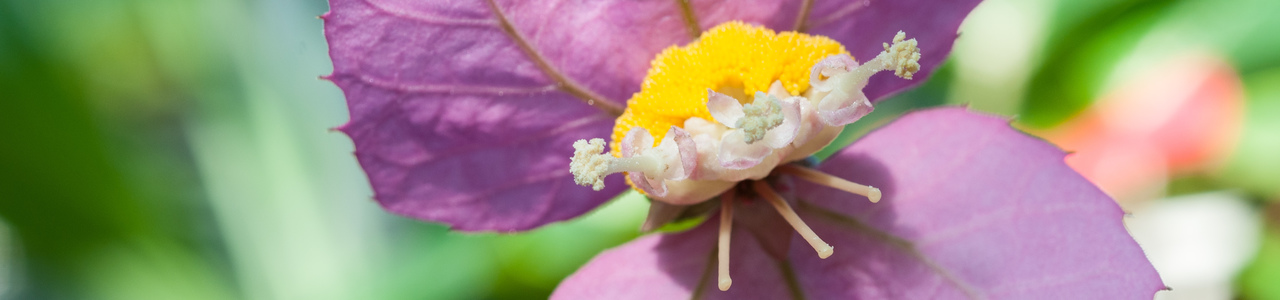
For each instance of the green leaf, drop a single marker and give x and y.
(1255, 164)
(1080, 59)
(1258, 281)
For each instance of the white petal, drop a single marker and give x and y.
(724, 109)
(679, 153)
(651, 187)
(736, 154)
(687, 192)
(810, 125)
(829, 67)
(841, 107)
(778, 91)
(636, 142)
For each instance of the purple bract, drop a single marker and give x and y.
(461, 119)
(972, 209)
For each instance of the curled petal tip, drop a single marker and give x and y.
(653, 188)
(725, 109)
(687, 150)
(828, 67)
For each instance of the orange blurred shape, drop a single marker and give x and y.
(1183, 116)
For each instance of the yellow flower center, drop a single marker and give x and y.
(733, 58)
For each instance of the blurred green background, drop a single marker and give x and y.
(179, 149)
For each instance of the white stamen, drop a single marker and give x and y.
(838, 81)
(824, 250)
(903, 57)
(589, 166)
(724, 108)
(829, 180)
(726, 228)
(758, 117)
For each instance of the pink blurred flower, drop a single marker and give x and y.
(1182, 117)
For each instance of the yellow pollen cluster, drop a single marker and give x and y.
(733, 58)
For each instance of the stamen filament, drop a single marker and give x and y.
(832, 181)
(644, 164)
(726, 227)
(824, 250)
(863, 72)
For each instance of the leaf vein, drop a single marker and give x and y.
(455, 88)
(690, 18)
(892, 240)
(805, 10)
(563, 82)
(845, 11)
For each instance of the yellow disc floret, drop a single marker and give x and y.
(733, 58)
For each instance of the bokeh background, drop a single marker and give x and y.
(180, 149)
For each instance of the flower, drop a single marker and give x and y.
(466, 117)
(464, 113)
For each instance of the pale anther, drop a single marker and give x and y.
(824, 250)
(759, 116)
(904, 56)
(829, 180)
(589, 165)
